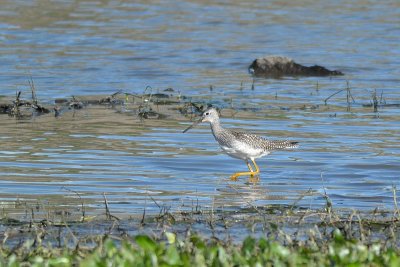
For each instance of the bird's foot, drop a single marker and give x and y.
(235, 176)
(254, 179)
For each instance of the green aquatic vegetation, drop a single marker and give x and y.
(193, 250)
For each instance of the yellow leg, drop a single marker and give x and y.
(255, 165)
(249, 166)
(251, 172)
(254, 179)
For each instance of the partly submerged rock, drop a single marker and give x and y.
(277, 66)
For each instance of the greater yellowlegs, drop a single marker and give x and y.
(241, 145)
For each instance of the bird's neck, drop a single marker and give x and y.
(216, 127)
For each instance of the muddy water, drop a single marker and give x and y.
(87, 48)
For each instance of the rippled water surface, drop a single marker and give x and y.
(98, 47)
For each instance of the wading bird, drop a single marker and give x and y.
(241, 145)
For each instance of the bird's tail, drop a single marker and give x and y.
(293, 144)
(280, 145)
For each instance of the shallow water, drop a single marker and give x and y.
(87, 48)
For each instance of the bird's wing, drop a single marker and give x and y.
(257, 142)
(251, 140)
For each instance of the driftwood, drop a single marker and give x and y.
(277, 66)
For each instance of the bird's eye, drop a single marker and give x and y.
(207, 113)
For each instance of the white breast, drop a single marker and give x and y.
(242, 151)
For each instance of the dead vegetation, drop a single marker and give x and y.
(162, 103)
(288, 224)
(147, 105)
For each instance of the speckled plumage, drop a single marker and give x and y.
(242, 145)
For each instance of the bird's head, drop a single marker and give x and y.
(210, 115)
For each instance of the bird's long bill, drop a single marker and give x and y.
(191, 126)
